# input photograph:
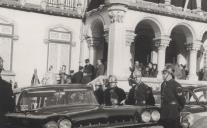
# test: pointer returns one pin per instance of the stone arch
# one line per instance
(187, 29)
(202, 54)
(146, 30)
(202, 33)
(98, 47)
(97, 28)
(155, 24)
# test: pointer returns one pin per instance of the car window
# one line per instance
(201, 95)
(32, 100)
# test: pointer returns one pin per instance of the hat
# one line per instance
(169, 69)
(112, 79)
(86, 60)
(80, 67)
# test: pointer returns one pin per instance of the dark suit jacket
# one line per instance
(77, 77)
(7, 103)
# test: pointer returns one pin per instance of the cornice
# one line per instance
(160, 9)
(28, 7)
(164, 10)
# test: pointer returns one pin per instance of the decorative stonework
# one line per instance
(93, 42)
(130, 35)
(193, 46)
(116, 13)
(162, 42)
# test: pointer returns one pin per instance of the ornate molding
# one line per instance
(93, 42)
(130, 35)
(116, 13)
(194, 46)
(162, 42)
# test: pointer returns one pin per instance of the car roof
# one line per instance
(192, 88)
(72, 86)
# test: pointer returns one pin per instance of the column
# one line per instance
(205, 59)
(82, 41)
(199, 4)
(154, 55)
(116, 40)
(129, 51)
(92, 44)
(161, 43)
(193, 49)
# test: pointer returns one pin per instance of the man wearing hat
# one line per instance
(6, 98)
(172, 99)
(88, 72)
(140, 93)
(113, 95)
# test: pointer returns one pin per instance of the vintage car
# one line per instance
(194, 114)
(75, 106)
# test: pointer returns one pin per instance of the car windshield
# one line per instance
(35, 99)
(200, 94)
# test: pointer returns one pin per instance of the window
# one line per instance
(59, 49)
(6, 45)
(53, 3)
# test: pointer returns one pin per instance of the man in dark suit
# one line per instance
(113, 95)
(88, 72)
(78, 76)
(100, 68)
(6, 98)
(140, 93)
(172, 99)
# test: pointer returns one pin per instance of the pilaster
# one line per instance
(117, 39)
(193, 50)
(92, 44)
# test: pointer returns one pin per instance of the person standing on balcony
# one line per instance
(100, 68)
(7, 103)
(88, 72)
(172, 99)
(35, 79)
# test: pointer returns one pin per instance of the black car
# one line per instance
(75, 106)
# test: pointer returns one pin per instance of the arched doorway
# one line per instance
(177, 53)
(100, 44)
(144, 52)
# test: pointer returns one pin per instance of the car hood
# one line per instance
(46, 112)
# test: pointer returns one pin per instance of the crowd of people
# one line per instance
(172, 97)
(84, 75)
(150, 70)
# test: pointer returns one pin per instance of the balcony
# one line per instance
(158, 8)
(68, 8)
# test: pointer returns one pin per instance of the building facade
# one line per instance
(37, 34)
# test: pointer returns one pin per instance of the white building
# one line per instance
(61, 32)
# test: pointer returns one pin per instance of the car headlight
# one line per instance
(51, 124)
(65, 124)
(146, 116)
(155, 115)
